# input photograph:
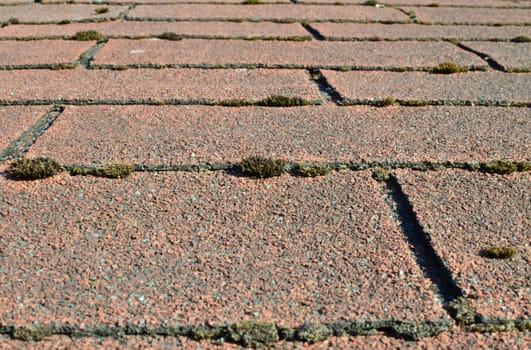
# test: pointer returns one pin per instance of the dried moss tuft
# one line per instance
(13, 20)
(170, 36)
(201, 332)
(81, 170)
(260, 167)
(313, 332)
(312, 170)
(462, 311)
(255, 334)
(283, 101)
(88, 35)
(448, 68)
(32, 333)
(523, 166)
(521, 39)
(113, 171)
(101, 10)
(499, 166)
(380, 174)
(33, 169)
(499, 252)
(388, 101)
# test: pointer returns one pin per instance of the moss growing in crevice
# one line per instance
(170, 36)
(81, 170)
(260, 167)
(13, 20)
(250, 2)
(313, 333)
(498, 252)
(462, 311)
(521, 39)
(388, 101)
(32, 333)
(88, 35)
(255, 334)
(201, 332)
(101, 10)
(33, 169)
(312, 170)
(499, 166)
(448, 68)
(113, 171)
(283, 101)
(370, 3)
(380, 174)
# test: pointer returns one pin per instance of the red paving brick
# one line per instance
(153, 85)
(282, 53)
(37, 13)
(138, 29)
(172, 135)
(510, 55)
(471, 3)
(473, 86)
(15, 120)
(267, 12)
(474, 212)
(471, 15)
(350, 31)
(193, 247)
(42, 52)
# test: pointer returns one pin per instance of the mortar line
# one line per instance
(28, 137)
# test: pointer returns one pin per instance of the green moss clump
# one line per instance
(370, 3)
(462, 311)
(499, 166)
(13, 20)
(200, 332)
(448, 68)
(313, 332)
(388, 101)
(64, 21)
(523, 166)
(283, 101)
(101, 10)
(170, 36)
(499, 252)
(255, 334)
(113, 171)
(81, 170)
(33, 169)
(32, 333)
(380, 174)
(312, 170)
(88, 35)
(251, 2)
(521, 39)
(261, 167)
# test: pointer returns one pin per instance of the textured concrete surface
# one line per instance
(495, 213)
(154, 135)
(476, 87)
(416, 174)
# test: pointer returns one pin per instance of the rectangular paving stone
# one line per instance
(267, 12)
(154, 85)
(42, 52)
(15, 120)
(374, 31)
(170, 135)
(476, 211)
(135, 29)
(477, 87)
(189, 248)
(468, 3)
(512, 56)
(217, 53)
(37, 13)
(471, 15)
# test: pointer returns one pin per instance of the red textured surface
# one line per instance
(19, 53)
(37, 13)
(472, 86)
(15, 120)
(132, 28)
(267, 12)
(509, 55)
(189, 247)
(156, 135)
(271, 53)
(415, 31)
(155, 84)
(471, 15)
(474, 212)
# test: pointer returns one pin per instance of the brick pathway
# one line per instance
(399, 215)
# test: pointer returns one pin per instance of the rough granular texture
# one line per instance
(20, 53)
(193, 247)
(169, 135)
(509, 55)
(37, 13)
(15, 120)
(471, 15)
(476, 211)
